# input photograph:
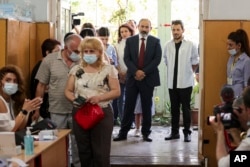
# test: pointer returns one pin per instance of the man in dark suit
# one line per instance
(142, 55)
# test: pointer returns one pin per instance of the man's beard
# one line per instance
(143, 34)
(177, 37)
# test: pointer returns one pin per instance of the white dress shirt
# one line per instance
(188, 56)
(140, 41)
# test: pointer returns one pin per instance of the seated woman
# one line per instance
(14, 108)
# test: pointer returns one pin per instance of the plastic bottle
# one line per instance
(28, 143)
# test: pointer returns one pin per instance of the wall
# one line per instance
(226, 9)
(47, 11)
(164, 34)
(13, 33)
(38, 8)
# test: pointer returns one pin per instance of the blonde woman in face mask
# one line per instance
(98, 83)
(14, 108)
(238, 66)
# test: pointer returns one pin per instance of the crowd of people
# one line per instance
(120, 78)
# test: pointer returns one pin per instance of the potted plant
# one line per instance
(195, 100)
(166, 116)
(162, 118)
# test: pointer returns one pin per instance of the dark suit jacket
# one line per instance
(152, 59)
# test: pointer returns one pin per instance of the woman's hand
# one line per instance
(94, 99)
(31, 105)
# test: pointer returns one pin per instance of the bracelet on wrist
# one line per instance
(24, 112)
(243, 135)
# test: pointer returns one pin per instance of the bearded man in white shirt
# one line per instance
(182, 59)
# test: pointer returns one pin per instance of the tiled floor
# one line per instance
(135, 152)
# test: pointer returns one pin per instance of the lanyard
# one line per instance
(233, 66)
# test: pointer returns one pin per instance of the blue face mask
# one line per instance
(74, 57)
(10, 88)
(232, 52)
(90, 58)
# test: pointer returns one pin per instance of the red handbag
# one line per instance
(89, 115)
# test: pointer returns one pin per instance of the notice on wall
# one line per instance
(228, 10)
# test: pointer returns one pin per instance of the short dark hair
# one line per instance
(103, 31)
(88, 25)
(227, 93)
(48, 45)
(87, 32)
(66, 35)
(176, 22)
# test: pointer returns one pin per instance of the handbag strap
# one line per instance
(78, 75)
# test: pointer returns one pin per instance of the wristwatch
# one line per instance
(24, 112)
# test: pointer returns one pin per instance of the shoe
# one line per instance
(147, 139)
(187, 137)
(137, 133)
(120, 138)
(132, 126)
(173, 136)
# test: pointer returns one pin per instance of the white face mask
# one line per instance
(90, 58)
(232, 52)
(10, 88)
(74, 57)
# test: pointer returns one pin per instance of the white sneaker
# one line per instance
(137, 133)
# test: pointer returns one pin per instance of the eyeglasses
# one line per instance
(89, 51)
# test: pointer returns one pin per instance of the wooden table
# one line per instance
(49, 153)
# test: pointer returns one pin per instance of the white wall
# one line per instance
(226, 9)
(40, 8)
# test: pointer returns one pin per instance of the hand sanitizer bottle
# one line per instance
(28, 143)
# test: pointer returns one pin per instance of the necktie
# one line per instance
(141, 54)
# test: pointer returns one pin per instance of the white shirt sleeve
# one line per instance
(224, 161)
(195, 56)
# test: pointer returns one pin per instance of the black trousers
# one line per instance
(180, 98)
(146, 94)
(94, 145)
